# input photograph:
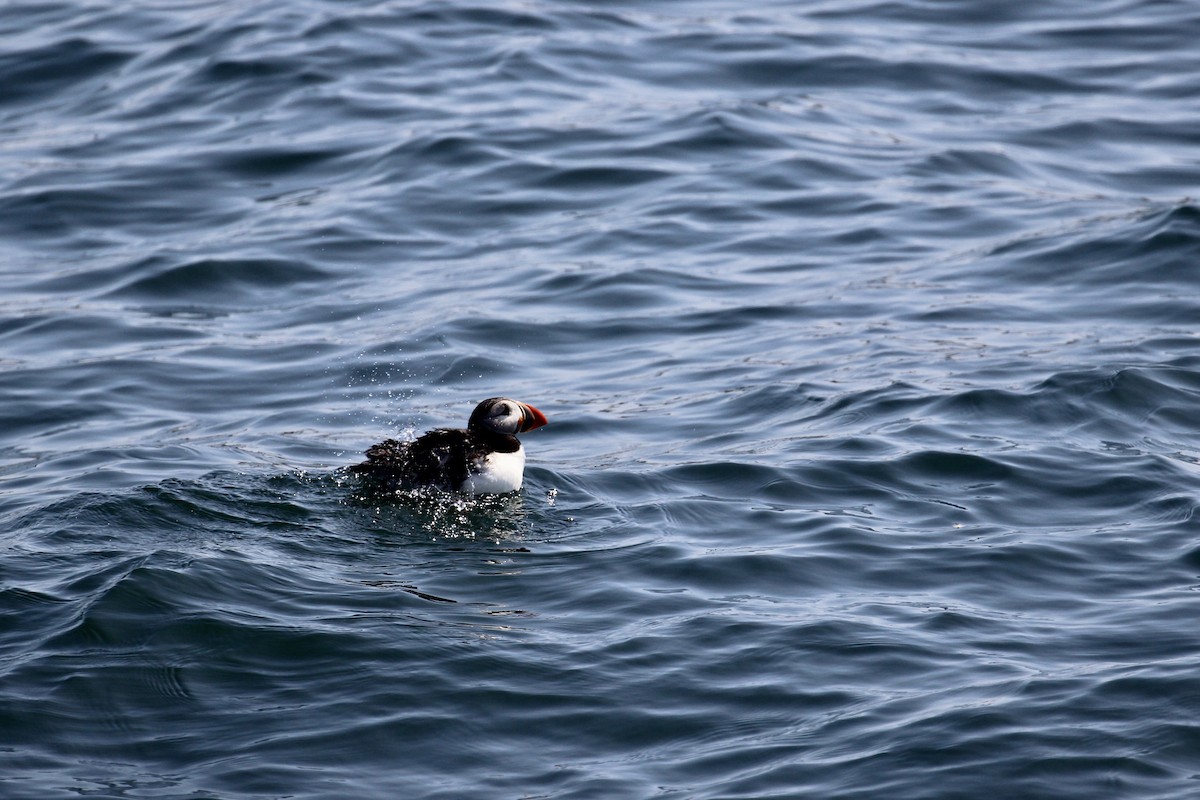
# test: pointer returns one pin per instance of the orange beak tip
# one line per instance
(533, 418)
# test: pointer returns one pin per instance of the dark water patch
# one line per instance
(750, 128)
(213, 280)
(1131, 396)
(594, 293)
(782, 61)
(1135, 34)
(1152, 248)
(74, 215)
(55, 69)
(469, 20)
(597, 178)
(243, 85)
(435, 153)
(974, 163)
(85, 334)
(1102, 136)
(270, 162)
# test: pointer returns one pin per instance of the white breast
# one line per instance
(499, 473)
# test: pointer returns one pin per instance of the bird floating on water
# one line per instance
(484, 458)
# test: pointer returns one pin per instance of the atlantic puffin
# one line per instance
(484, 458)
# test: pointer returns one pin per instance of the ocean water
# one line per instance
(868, 334)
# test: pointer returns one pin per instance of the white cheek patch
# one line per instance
(507, 423)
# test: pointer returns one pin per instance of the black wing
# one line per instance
(439, 458)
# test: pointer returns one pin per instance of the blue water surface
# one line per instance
(867, 331)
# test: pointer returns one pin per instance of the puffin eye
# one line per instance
(503, 409)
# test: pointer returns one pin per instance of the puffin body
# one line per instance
(484, 458)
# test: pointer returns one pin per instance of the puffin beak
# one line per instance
(532, 418)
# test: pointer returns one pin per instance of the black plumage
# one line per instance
(449, 458)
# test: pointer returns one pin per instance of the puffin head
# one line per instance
(504, 416)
